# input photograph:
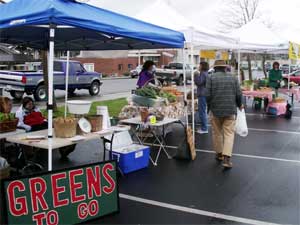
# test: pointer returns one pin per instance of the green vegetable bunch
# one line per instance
(148, 92)
(154, 93)
(7, 117)
(171, 98)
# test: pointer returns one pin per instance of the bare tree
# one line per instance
(236, 14)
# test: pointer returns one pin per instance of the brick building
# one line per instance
(119, 63)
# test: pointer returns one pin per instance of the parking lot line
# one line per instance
(253, 156)
(261, 115)
(275, 131)
(195, 211)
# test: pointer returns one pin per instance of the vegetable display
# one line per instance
(155, 93)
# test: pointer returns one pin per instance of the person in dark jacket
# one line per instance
(200, 81)
(224, 96)
(275, 77)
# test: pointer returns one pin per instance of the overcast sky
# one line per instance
(282, 13)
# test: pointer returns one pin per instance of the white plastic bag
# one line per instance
(241, 127)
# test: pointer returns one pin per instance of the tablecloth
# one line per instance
(259, 94)
(281, 107)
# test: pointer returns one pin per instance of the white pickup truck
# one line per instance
(173, 72)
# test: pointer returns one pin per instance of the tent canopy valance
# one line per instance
(79, 27)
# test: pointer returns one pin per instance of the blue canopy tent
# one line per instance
(69, 25)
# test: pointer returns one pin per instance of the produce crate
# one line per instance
(8, 126)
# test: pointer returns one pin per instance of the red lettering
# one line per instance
(52, 218)
(37, 195)
(17, 206)
(38, 218)
(112, 185)
(82, 211)
(74, 186)
(93, 182)
(93, 208)
(56, 190)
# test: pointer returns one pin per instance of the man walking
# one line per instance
(223, 97)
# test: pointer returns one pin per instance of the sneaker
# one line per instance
(200, 131)
(227, 164)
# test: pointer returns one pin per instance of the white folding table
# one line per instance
(140, 127)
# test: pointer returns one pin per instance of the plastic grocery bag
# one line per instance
(241, 127)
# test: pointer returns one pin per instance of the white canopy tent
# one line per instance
(197, 37)
(256, 36)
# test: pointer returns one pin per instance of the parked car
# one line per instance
(173, 72)
(294, 77)
(135, 73)
(31, 82)
(285, 68)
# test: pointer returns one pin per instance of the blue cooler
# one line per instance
(132, 158)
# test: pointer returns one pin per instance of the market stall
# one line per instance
(197, 38)
(268, 42)
(69, 25)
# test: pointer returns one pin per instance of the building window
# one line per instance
(120, 67)
(89, 67)
(130, 66)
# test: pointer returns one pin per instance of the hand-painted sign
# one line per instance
(70, 196)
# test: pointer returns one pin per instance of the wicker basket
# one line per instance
(96, 122)
(4, 173)
(8, 126)
(144, 114)
(65, 128)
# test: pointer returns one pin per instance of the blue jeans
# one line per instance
(202, 112)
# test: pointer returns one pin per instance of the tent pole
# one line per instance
(50, 95)
(139, 57)
(67, 81)
(193, 92)
(184, 80)
(239, 64)
(290, 62)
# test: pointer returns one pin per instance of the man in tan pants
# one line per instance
(224, 96)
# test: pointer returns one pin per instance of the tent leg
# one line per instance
(50, 95)
(184, 80)
(139, 57)
(290, 62)
(67, 81)
(193, 92)
(239, 64)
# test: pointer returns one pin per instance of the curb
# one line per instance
(117, 78)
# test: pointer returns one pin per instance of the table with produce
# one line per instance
(158, 102)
